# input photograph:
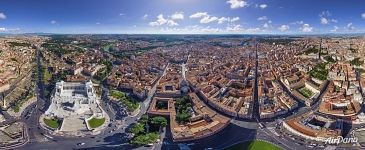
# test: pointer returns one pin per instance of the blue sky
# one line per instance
(183, 16)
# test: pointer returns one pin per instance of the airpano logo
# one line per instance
(340, 139)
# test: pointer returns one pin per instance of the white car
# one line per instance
(80, 144)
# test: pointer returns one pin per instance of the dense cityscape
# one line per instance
(182, 75)
(181, 91)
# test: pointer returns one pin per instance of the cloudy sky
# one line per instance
(183, 16)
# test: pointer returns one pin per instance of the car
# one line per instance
(80, 144)
(165, 142)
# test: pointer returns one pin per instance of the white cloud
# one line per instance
(266, 25)
(335, 28)
(53, 22)
(262, 18)
(325, 18)
(363, 15)
(253, 30)
(222, 20)
(234, 28)
(210, 30)
(225, 19)
(2, 29)
(263, 6)
(163, 21)
(208, 19)
(199, 15)
(97, 23)
(155, 23)
(200, 29)
(2, 16)
(283, 28)
(235, 19)
(178, 16)
(121, 14)
(306, 28)
(350, 26)
(172, 23)
(191, 29)
(297, 22)
(145, 16)
(197, 29)
(237, 3)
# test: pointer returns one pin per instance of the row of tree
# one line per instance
(143, 130)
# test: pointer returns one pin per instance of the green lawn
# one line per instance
(254, 145)
(47, 76)
(108, 47)
(306, 92)
(127, 101)
(319, 71)
(95, 122)
(52, 123)
(117, 94)
(311, 50)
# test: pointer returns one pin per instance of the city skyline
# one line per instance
(183, 17)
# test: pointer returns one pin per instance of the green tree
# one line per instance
(357, 62)
(145, 139)
(144, 119)
(159, 121)
(161, 105)
(137, 128)
(182, 105)
(182, 117)
(13, 59)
